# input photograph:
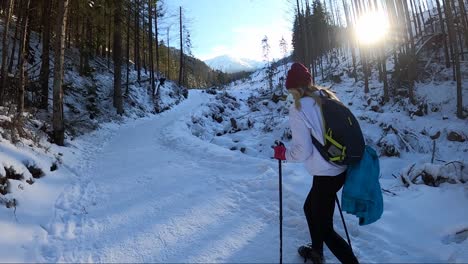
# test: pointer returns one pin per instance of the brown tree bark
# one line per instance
(456, 57)
(156, 35)
(442, 28)
(117, 55)
(45, 65)
(23, 55)
(150, 46)
(350, 39)
(181, 64)
(137, 40)
(168, 55)
(15, 38)
(128, 49)
(459, 31)
(57, 115)
(411, 55)
(5, 49)
(464, 17)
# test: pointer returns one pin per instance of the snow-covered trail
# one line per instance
(149, 191)
(154, 193)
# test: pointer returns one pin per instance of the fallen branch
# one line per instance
(462, 231)
(398, 133)
(389, 192)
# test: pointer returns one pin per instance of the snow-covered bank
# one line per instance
(34, 174)
(27, 155)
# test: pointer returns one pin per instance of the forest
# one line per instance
(420, 33)
(117, 35)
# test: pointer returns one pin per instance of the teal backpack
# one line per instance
(362, 195)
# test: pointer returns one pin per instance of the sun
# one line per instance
(372, 28)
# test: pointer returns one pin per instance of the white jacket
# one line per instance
(304, 122)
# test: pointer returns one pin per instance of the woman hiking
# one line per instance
(305, 118)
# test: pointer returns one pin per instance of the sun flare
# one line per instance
(372, 28)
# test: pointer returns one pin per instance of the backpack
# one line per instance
(343, 139)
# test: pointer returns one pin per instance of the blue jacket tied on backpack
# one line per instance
(362, 195)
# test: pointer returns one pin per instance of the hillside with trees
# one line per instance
(422, 35)
(43, 41)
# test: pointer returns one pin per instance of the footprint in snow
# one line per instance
(457, 237)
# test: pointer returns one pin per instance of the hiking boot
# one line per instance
(307, 252)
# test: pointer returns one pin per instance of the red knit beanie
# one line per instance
(298, 76)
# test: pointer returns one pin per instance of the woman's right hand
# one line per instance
(280, 152)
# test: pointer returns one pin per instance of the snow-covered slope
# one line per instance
(230, 64)
(420, 147)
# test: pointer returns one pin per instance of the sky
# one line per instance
(234, 27)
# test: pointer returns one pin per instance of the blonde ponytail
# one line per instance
(309, 91)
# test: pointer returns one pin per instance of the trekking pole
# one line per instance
(344, 223)
(280, 186)
(281, 210)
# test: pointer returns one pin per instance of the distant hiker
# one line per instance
(162, 80)
(305, 118)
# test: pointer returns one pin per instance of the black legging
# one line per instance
(319, 208)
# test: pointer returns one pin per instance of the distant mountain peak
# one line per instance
(231, 64)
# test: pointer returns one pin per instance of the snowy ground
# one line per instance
(196, 183)
(150, 191)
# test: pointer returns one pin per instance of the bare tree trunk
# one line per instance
(421, 14)
(464, 20)
(45, 66)
(109, 36)
(117, 55)
(15, 38)
(82, 45)
(57, 116)
(145, 48)
(23, 58)
(411, 56)
(350, 39)
(5, 42)
(460, 32)
(431, 19)
(128, 49)
(156, 37)
(456, 58)
(442, 28)
(168, 56)
(150, 44)
(181, 66)
(417, 22)
(137, 40)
